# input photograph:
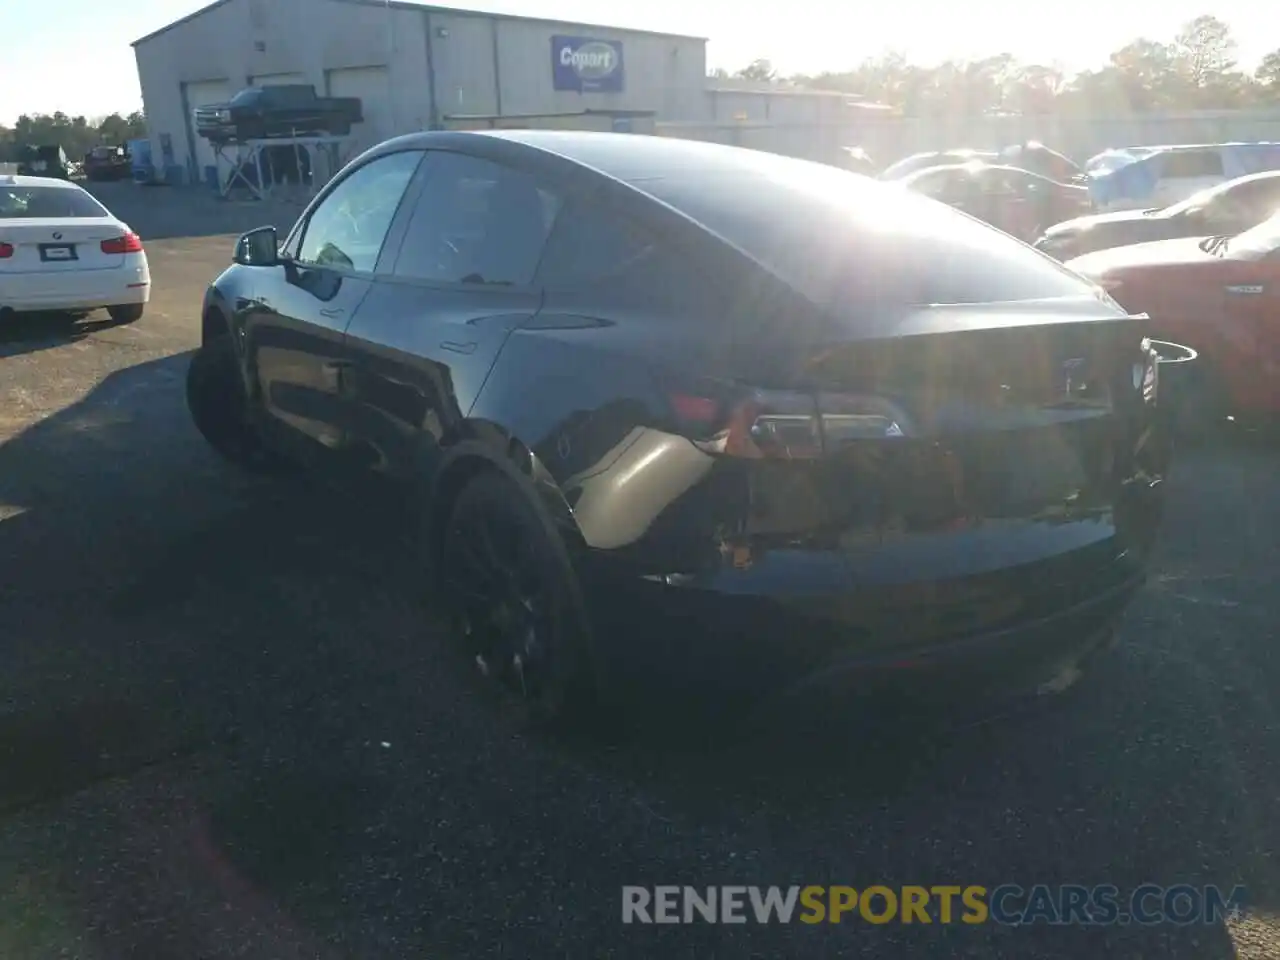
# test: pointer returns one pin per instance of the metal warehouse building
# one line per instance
(413, 65)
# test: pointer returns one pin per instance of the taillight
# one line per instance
(6, 251)
(785, 425)
(129, 243)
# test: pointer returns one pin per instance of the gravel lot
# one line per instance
(227, 728)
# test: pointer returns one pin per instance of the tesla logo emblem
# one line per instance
(57, 236)
(1070, 370)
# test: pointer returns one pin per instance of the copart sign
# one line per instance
(586, 65)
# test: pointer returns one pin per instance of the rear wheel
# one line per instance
(218, 405)
(126, 313)
(513, 598)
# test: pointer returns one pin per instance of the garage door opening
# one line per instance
(370, 85)
(201, 93)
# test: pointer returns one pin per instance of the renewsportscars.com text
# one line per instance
(1009, 904)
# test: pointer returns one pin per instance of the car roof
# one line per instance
(15, 180)
(1250, 177)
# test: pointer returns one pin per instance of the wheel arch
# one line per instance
(481, 446)
(214, 322)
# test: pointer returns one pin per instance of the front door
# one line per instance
(425, 338)
(296, 329)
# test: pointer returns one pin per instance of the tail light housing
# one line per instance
(6, 250)
(785, 425)
(129, 243)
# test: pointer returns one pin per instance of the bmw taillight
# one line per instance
(785, 425)
(129, 243)
(6, 251)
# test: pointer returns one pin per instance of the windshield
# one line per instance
(1258, 242)
(246, 96)
(17, 203)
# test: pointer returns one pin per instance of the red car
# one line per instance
(1019, 202)
(1219, 295)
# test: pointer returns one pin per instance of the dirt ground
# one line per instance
(228, 727)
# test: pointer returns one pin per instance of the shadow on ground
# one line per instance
(33, 332)
(310, 775)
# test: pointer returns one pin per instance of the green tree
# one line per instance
(1267, 76)
(113, 129)
(759, 70)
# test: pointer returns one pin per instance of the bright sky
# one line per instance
(79, 60)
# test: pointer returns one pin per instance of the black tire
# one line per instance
(524, 629)
(218, 406)
(126, 313)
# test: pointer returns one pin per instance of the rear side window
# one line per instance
(594, 248)
(1192, 163)
(590, 246)
(476, 222)
(55, 202)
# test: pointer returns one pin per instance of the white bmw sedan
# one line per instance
(61, 250)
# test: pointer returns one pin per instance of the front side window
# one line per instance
(476, 222)
(347, 230)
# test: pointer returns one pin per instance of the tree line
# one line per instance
(76, 135)
(1196, 70)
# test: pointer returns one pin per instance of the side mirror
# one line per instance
(258, 248)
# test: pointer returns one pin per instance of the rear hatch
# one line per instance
(1019, 417)
(981, 466)
(55, 246)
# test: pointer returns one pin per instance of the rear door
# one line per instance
(425, 338)
(294, 331)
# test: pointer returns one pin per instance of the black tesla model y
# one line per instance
(736, 418)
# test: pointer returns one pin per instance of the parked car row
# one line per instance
(732, 418)
(1017, 201)
(1208, 273)
(1201, 266)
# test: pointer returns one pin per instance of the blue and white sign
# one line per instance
(585, 65)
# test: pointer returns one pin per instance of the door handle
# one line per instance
(339, 364)
(332, 312)
(1246, 289)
